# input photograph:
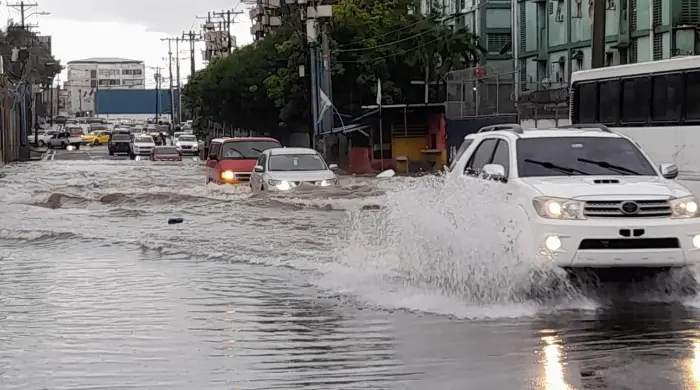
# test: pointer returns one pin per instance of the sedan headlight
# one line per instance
(330, 182)
(281, 185)
(558, 208)
(686, 207)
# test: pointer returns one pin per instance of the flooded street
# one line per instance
(304, 291)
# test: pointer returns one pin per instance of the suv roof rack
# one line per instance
(583, 126)
(514, 127)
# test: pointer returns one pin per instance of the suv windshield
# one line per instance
(187, 138)
(245, 150)
(121, 137)
(567, 156)
(144, 139)
(296, 162)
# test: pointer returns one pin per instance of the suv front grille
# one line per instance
(612, 209)
(242, 176)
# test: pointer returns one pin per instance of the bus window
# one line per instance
(585, 100)
(667, 97)
(609, 101)
(692, 96)
(635, 100)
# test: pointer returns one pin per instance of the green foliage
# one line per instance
(259, 85)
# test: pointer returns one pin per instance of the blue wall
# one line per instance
(133, 101)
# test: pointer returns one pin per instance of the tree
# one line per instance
(259, 87)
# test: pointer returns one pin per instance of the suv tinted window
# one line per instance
(462, 148)
(567, 156)
(482, 156)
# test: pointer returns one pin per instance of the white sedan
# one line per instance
(283, 169)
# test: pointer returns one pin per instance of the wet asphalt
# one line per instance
(98, 292)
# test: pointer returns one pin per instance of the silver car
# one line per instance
(283, 169)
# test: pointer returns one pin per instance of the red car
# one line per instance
(231, 160)
(165, 153)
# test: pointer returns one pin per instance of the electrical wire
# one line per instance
(396, 41)
(388, 33)
(400, 53)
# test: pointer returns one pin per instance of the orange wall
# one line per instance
(409, 147)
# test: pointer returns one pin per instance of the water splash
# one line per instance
(459, 239)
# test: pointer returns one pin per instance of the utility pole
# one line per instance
(191, 37)
(229, 17)
(22, 7)
(311, 17)
(326, 84)
(598, 41)
(157, 78)
(177, 76)
(170, 75)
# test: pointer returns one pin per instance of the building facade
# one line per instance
(216, 42)
(555, 36)
(265, 15)
(85, 77)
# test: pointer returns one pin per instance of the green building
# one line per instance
(555, 35)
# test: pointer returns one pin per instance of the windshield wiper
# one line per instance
(559, 168)
(256, 150)
(607, 165)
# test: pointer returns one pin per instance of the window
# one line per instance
(457, 155)
(635, 100)
(214, 149)
(133, 72)
(570, 156)
(261, 161)
(586, 102)
(609, 101)
(93, 74)
(482, 156)
(246, 150)
(502, 155)
(296, 162)
(692, 95)
(667, 100)
(93, 83)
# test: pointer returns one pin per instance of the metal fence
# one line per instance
(481, 91)
(543, 100)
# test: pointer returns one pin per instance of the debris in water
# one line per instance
(386, 174)
(174, 220)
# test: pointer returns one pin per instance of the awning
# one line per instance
(349, 129)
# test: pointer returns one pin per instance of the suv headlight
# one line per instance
(558, 208)
(329, 182)
(281, 185)
(686, 207)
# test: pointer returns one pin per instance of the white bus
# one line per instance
(655, 103)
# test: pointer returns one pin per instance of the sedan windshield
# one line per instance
(245, 150)
(569, 156)
(296, 162)
(144, 139)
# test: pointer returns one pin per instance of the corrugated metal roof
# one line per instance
(105, 60)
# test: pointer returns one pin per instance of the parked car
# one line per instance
(63, 139)
(187, 144)
(283, 169)
(231, 160)
(165, 153)
(141, 145)
(119, 144)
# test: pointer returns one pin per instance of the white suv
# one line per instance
(592, 197)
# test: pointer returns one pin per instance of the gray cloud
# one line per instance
(168, 16)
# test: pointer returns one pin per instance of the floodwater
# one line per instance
(302, 291)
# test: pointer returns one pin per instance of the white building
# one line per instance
(89, 75)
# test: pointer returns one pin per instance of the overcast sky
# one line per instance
(126, 28)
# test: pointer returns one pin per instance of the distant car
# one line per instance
(60, 119)
(119, 144)
(165, 153)
(283, 169)
(142, 145)
(96, 138)
(63, 140)
(187, 144)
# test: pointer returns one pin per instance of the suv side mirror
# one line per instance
(494, 171)
(668, 171)
(333, 167)
(258, 169)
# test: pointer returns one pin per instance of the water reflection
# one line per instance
(553, 366)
